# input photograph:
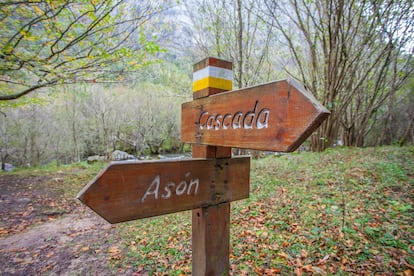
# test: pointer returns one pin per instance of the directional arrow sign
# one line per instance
(131, 190)
(277, 116)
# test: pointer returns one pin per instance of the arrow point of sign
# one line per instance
(317, 114)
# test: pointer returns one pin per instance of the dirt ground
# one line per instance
(44, 232)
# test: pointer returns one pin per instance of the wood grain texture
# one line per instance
(211, 227)
(207, 92)
(276, 116)
(211, 240)
(131, 190)
(212, 61)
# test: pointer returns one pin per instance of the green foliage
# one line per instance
(46, 43)
(76, 121)
(150, 248)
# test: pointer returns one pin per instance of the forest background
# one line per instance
(85, 77)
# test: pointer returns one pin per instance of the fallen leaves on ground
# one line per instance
(341, 212)
(346, 211)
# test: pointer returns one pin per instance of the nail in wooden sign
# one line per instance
(276, 116)
(126, 191)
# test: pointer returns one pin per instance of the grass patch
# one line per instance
(160, 245)
(343, 211)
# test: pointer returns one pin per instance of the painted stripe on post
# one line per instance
(212, 76)
(211, 82)
(213, 71)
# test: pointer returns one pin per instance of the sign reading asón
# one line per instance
(131, 190)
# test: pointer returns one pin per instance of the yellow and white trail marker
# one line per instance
(212, 76)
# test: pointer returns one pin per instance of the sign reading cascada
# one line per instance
(276, 116)
(255, 118)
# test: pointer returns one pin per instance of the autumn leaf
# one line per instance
(408, 272)
(283, 255)
(272, 271)
(114, 252)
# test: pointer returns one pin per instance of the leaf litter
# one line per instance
(344, 211)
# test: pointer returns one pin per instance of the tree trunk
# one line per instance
(407, 132)
(239, 45)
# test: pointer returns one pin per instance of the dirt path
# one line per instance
(71, 245)
(35, 238)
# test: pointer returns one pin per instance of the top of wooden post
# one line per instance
(211, 76)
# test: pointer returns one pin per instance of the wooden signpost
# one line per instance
(277, 116)
(211, 225)
(126, 191)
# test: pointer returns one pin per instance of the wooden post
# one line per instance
(211, 225)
